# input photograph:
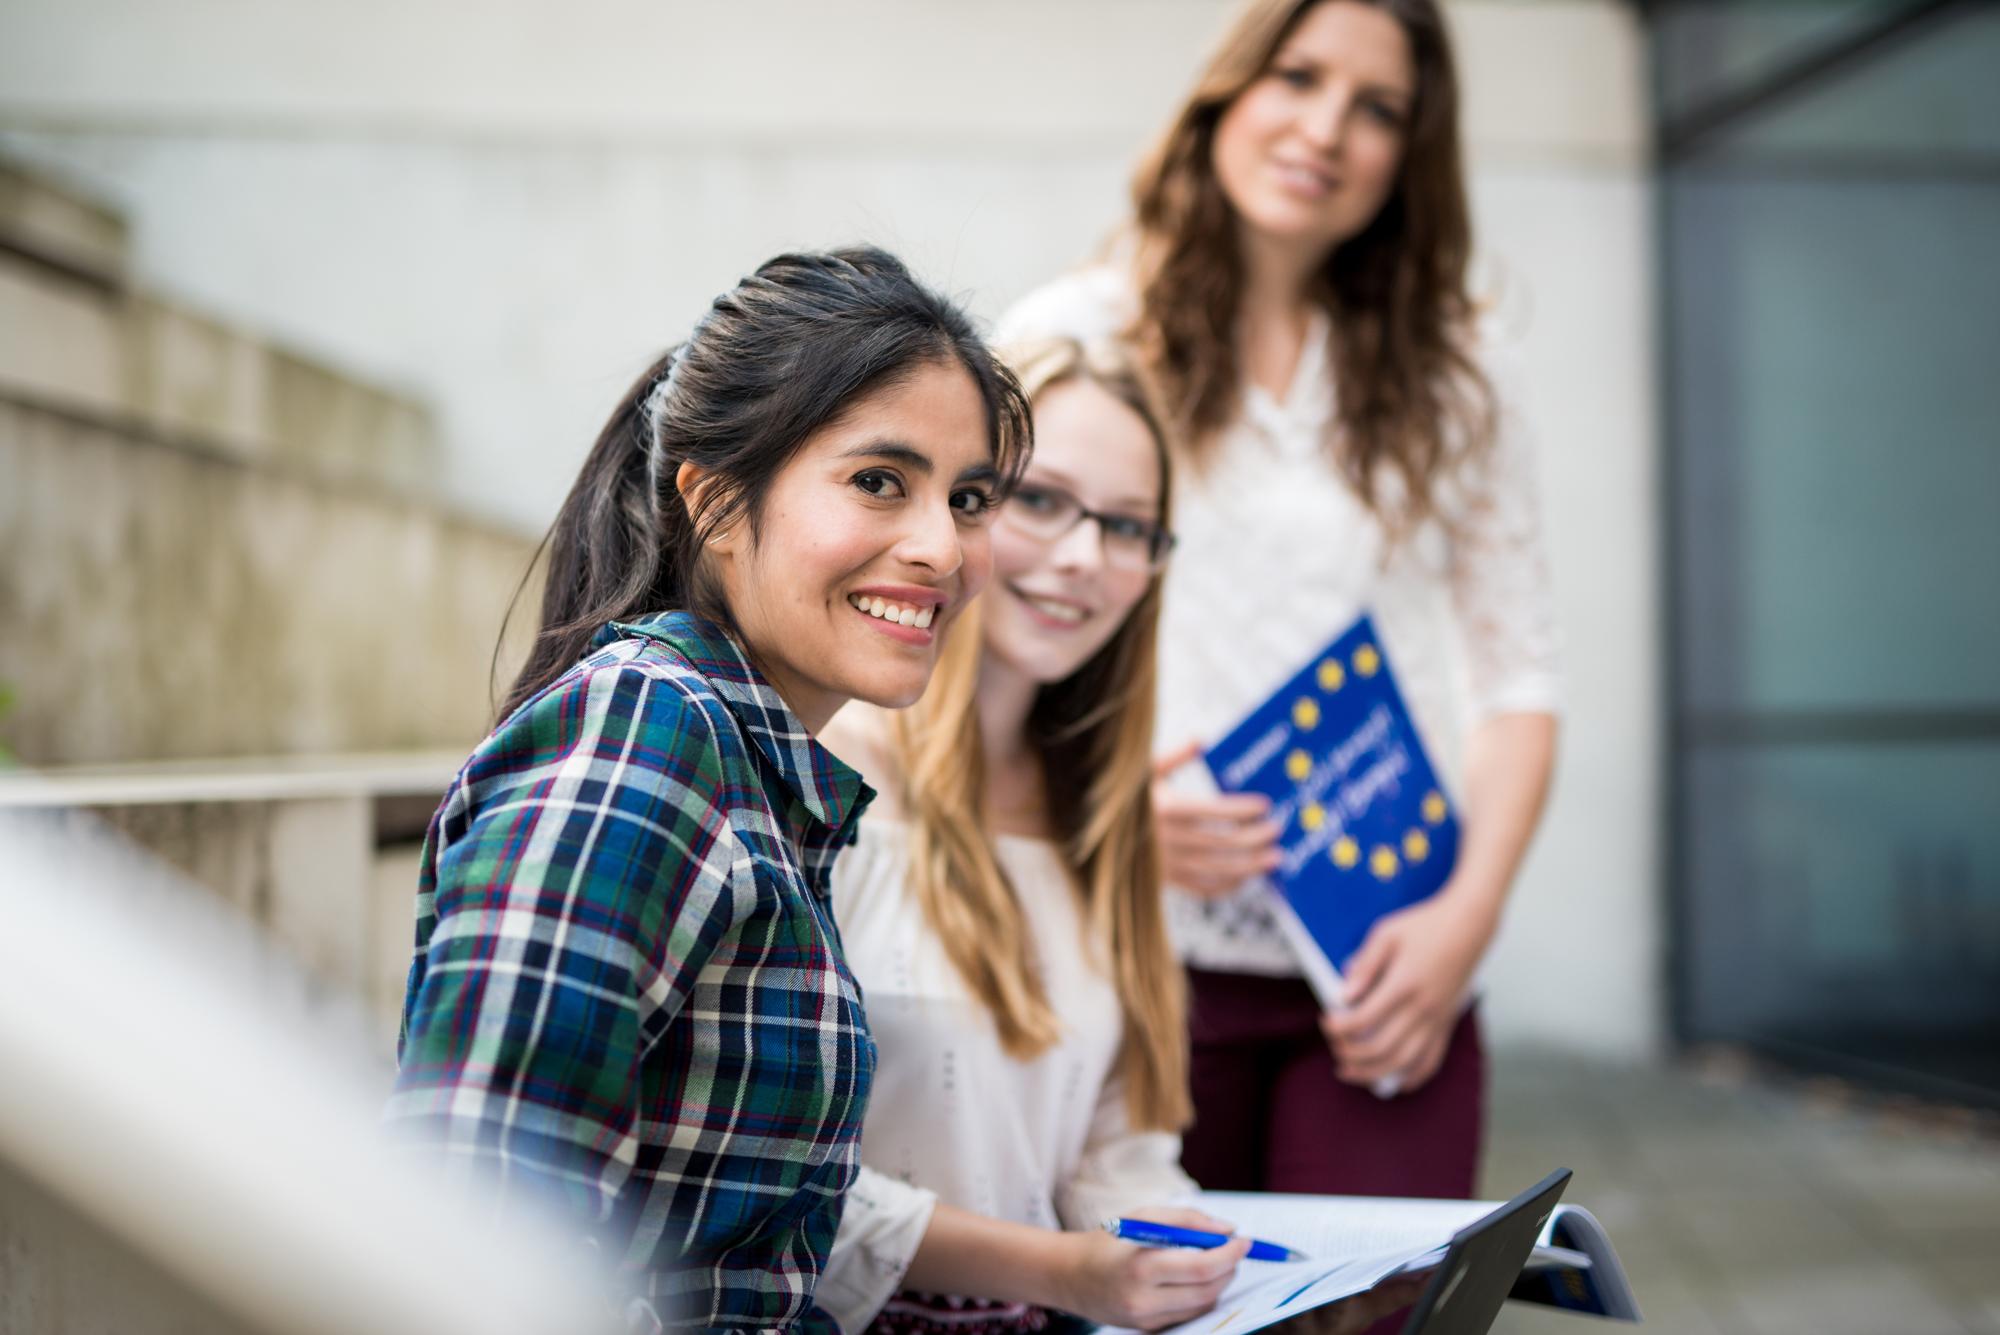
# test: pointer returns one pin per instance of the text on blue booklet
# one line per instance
(1367, 828)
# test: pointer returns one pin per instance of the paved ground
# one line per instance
(1745, 1203)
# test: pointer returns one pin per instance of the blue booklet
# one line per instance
(1367, 827)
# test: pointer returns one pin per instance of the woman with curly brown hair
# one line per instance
(1294, 275)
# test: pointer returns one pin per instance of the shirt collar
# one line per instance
(829, 789)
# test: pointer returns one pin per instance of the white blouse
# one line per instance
(1278, 554)
(952, 1116)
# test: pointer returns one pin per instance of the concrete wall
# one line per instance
(212, 546)
(163, 604)
(508, 208)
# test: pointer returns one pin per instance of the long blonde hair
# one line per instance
(1093, 732)
(1410, 400)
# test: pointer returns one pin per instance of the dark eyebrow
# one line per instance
(1301, 59)
(1059, 481)
(908, 455)
(915, 459)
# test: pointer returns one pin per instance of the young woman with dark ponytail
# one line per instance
(628, 998)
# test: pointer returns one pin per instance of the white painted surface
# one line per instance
(1540, 73)
(1580, 956)
(507, 209)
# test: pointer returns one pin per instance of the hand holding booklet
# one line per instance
(1357, 1242)
(1367, 827)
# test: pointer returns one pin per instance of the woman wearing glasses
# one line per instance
(1002, 912)
(1294, 274)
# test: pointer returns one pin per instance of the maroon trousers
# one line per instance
(1271, 1115)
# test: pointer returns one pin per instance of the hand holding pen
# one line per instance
(1151, 1233)
(1115, 1283)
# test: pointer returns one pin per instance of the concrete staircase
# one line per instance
(238, 633)
(210, 546)
(234, 623)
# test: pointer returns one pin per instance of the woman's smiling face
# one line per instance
(1309, 153)
(870, 542)
(1056, 602)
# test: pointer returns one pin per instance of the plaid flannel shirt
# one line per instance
(628, 996)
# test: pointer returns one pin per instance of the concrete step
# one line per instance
(75, 338)
(61, 228)
(158, 605)
(210, 545)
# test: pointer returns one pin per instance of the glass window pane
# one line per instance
(1932, 97)
(1847, 898)
(1839, 430)
(1707, 49)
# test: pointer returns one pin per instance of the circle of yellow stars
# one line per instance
(1331, 677)
(1384, 860)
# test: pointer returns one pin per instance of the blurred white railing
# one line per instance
(189, 1131)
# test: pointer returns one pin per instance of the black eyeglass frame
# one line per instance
(1161, 544)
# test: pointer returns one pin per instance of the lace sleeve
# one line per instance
(1499, 570)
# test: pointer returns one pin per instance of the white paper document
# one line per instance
(1353, 1243)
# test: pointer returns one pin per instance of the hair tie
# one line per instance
(654, 408)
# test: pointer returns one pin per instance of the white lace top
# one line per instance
(952, 1116)
(1278, 554)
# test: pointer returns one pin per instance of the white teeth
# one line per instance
(1064, 612)
(919, 617)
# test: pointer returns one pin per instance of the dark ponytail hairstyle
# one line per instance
(778, 357)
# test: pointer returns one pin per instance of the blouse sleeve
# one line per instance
(1121, 1168)
(881, 1226)
(883, 1219)
(1499, 570)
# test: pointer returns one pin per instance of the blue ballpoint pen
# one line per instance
(1149, 1234)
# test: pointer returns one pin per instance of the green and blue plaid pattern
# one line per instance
(628, 997)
